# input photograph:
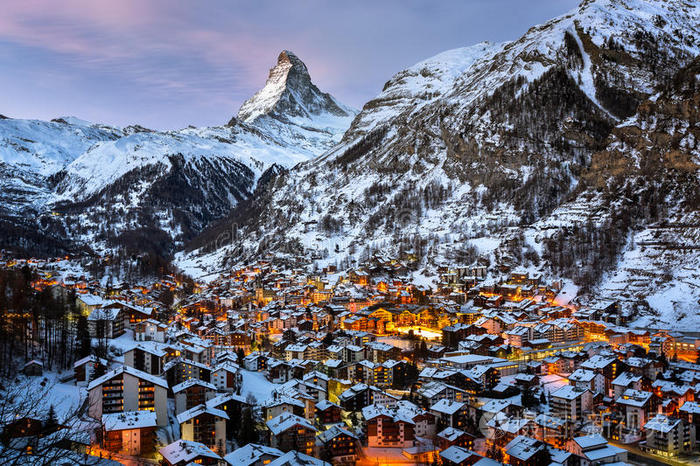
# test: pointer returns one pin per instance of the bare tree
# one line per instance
(32, 433)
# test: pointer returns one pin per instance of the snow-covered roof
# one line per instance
(626, 379)
(333, 432)
(129, 420)
(457, 454)
(451, 434)
(199, 410)
(601, 453)
(131, 371)
(294, 458)
(661, 423)
(634, 398)
(588, 441)
(91, 299)
(186, 451)
(445, 406)
(569, 392)
(523, 448)
(251, 454)
(286, 421)
(190, 383)
(597, 362)
(104, 313)
(690, 407)
(582, 375)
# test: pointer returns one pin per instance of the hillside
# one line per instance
(461, 153)
(69, 184)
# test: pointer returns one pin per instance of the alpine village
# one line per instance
(496, 261)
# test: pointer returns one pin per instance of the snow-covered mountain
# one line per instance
(97, 185)
(469, 153)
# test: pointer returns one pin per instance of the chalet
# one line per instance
(232, 405)
(503, 428)
(128, 389)
(609, 367)
(553, 430)
(690, 410)
(380, 352)
(328, 413)
(145, 358)
(106, 322)
(459, 456)
(571, 403)
(280, 404)
(451, 436)
(132, 314)
(431, 393)
(191, 393)
(33, 368)
(178, 370)
(85, 367)
(678, 392)
(226, 376)
(587, 379)
(339, 444)
(450, 413)
(526, 451)
(669, 437)
(206, 425)
(129, 432)
(624, 381)
(291, 432)
(594, 449)
(255, 361)
(87, 303)
(397, 426)
(150, 330)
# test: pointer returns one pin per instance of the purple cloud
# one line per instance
(168, 64)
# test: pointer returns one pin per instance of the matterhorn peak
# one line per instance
(289, 95)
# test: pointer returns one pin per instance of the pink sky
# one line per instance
(167, 64)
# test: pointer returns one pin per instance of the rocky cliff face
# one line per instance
(289, 94)
(647, 181)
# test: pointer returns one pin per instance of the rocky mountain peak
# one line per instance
(289, 94)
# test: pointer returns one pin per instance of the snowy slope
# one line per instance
(471, 145)
(89, 183)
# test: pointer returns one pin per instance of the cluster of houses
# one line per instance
(340, 367)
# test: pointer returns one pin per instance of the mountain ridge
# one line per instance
(88, 184)
(437, 172)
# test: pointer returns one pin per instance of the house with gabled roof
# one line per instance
(204, 424)
(339, 444)
(452, 436)
(291, 432)
(128, 389)
(190, 393)
(130, 432)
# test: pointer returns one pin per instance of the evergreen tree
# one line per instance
(528, 398)
(247, 433)
(83, 336)
(51, 419)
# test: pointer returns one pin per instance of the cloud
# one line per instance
(191, 56)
